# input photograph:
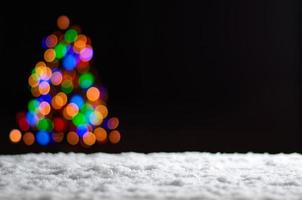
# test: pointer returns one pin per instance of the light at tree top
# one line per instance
(68, 103)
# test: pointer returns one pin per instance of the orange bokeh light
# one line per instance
(63, 22)
(89, 138)
(102, 109)
(28, 138)
(15, 136)
(100, 134)
(114, 137)
(93, 94)
(56, 78)
(70, 110)
(44, 87)
(44, 108)
(51, 41)
(72, 138)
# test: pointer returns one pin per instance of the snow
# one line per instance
(188, 175)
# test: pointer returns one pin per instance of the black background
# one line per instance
(181, 75)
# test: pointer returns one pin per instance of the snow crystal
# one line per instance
(189, 175)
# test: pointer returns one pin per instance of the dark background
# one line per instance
(181, 75)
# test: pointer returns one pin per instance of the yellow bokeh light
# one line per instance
(102, 109)
(114, 137)
(89, 138)
(63, 22)
(40, 64)
(28, 138)
(93, 94)
(100, 134)
(72, 138)
(44, 108)
(49, 55)
(33, 80)
(96, 118)
(15, 136)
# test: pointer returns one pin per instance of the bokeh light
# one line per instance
(70, 35)
(93, 94)
(86, 80)
(100, 134)
(56, 78)
(63, 22)
(57, 137)
(43, 137)
(49, 55)
(44, 87)
(114, 137)
(44, 108)
(59, 100)
(113, 123)
(70, 111)
(60, 50)
(78, 100)
(70, 62)
(72, 138)
(51, 41)
(28, 138)
(15, 136)
(89, 139)
(86, 54)
(67, 86)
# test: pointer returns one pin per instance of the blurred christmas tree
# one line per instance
(68, 104)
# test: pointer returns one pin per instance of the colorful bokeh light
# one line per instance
(68, 103)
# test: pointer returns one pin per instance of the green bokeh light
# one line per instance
(33, 105)
(60, 50)
(67, 86)
(79, 119)
(86, 80)
(44, 124)
(70, 35)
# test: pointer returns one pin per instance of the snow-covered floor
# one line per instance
(189, 175)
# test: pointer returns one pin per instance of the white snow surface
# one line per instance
(188, 175)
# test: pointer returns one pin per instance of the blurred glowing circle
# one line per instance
(63, 22)
(23, 124)
(93, 94)
(44, 108)
(33, 105)
(43, 137)
(100, 134)
(60, 50)
(33, 80)
(114, 137)
(78, 100)
(67, 86)
(113, 123)
(44, 124)
(95, 118)
(82, 129)
(28, 138)
(57, 137)
(32, 118)
(56, 78)
(86, 54)
(59, 100)
(51, 41)
(69, 62)
(15, 136)
(35, 91)
(71, 110)
(40, 64)
(70, 35)
(72, 138)
(86, 80)
(102, 109)
(44, 87)
(46, 98)
(80, 43)
(79, 120)
(83, 66)
(59, 124)
(49, 55)
(89, 138)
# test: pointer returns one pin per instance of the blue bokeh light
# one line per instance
(43, 138)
